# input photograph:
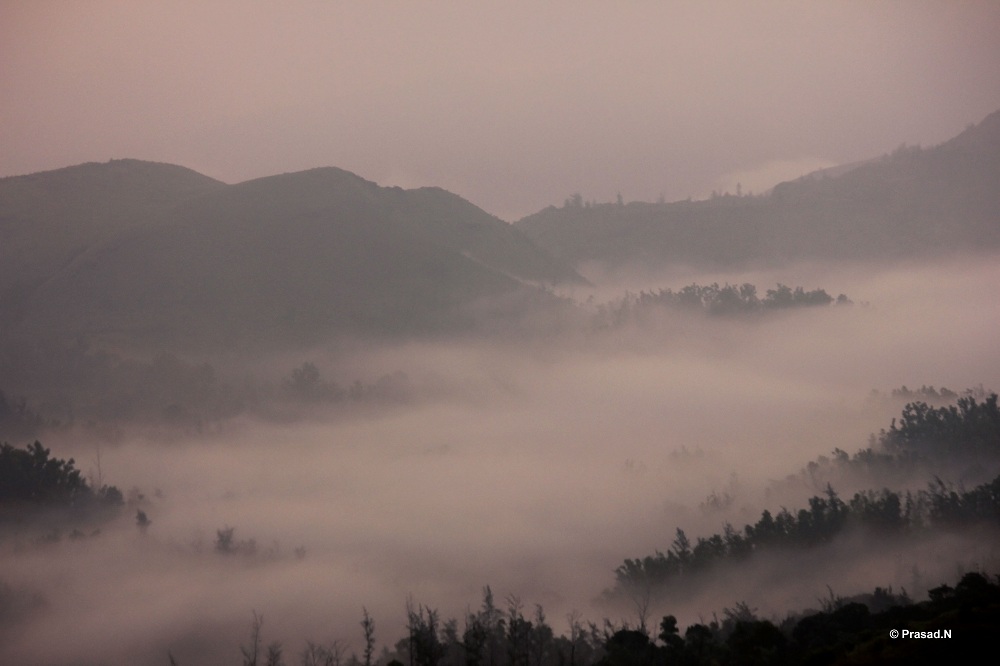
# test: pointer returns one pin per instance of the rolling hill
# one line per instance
(914, 203)
(47, 219)
(135, 253)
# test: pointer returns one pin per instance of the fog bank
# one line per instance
(538, 470)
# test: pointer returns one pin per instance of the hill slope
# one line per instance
(913, 203)
(289, 258)
(47, 219)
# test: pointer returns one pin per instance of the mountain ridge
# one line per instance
(296, 257)
(151, 251)
(912, 203)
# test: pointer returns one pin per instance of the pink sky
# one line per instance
(513, 105)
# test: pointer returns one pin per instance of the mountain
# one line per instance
(47, 219)
(134, 253)
(910, 204)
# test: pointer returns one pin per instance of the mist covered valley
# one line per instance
(605, 433)
(533, 464)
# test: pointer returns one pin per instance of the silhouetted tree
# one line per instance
(368, 627)
(251, 653)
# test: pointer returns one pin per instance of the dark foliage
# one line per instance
(926, 393)
(882, 513)
(967, 428)
(970, 429)
(31, 476)
(727, 300)
(853, 631)
(961, 440)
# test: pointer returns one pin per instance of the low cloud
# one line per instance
(534, 468)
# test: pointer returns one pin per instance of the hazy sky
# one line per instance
(513, 105)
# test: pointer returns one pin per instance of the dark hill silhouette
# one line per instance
(914, 203)
(289, 258)
(47, 219)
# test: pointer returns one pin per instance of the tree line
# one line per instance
(31, 478)
(968, 429)
(713, 299)
(882, 512)
(847, 630)
(961, 439)
(99, 392)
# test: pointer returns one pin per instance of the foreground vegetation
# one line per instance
(31, 478)
(853, 630)
(847, 630)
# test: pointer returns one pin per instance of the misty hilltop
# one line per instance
(133, 251)
(913, 203)
(136, 253)
(47, 219)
